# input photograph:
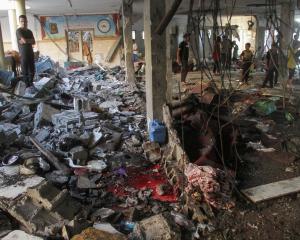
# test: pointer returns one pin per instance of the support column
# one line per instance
(169, 75)
(127, 36)
(20, 8)
(155, 53)
(286, 29)
(2, 59)
(13, 28)
(260, 40)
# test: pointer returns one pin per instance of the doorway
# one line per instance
(80, 44)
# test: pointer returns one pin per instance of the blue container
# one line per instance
(157, 132)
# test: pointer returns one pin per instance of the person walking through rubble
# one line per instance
(272, 66)
(226, 49)
(183, 56)
(292, 61)
(25, 41)
(217, 55)
(246, 57)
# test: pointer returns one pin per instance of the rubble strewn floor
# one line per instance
(265, 150)
(75, 155)
(76, 162)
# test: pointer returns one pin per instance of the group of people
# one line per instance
(224, 52)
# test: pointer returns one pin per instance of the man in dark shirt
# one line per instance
(272, 66)
(25, 41)
(183, 56)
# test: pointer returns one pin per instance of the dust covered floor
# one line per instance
(268, 151)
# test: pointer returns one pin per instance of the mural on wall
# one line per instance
(53, 27)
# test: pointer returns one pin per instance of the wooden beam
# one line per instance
(168, 17)
(113, 49)
(50, 157)
(272, 190)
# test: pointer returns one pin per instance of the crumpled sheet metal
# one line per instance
(214, 184)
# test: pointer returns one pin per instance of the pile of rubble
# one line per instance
(75, 161)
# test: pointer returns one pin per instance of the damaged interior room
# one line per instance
(149, 119)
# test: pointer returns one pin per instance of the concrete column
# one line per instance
(286, 25)
(13, 28)
(260, 40)
(260, 37)
(20, 8)
(127, 36)
(286, 30)
(155, 54)
(2, 59)
(169, 75)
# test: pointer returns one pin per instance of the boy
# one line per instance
(246, 58)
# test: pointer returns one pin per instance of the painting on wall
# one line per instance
(74, 38)
(53, 27)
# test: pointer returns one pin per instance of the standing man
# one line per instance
(226, 49)
(183, 56)
(25, 41)
(272, 66)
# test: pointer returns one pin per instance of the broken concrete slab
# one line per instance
(83, 182)
(51, 158)
(42, 135)
(47, 195)
(44, 83)
(71, 118)
(102, 214)
(158, 227)
(12, 112)
(20, 88)
(34, 217)
(12, 191)
(20, 235)
(57, 177)
(82, 103)
(43, 209)
(44, 114)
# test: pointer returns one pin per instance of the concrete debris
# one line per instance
(20, 235)
(79, 154)
(106, 227)
(75, 155)
(20, 88)
(95, 234)
(158, 227)
(42, 209)
(43, 114)
(13, 191)
(70, 119)
(102, 214)
(6, 225)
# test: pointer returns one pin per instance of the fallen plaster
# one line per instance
(19, 188)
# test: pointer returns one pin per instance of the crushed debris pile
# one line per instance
(213, 183)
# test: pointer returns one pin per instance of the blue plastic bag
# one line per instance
(157, 132)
